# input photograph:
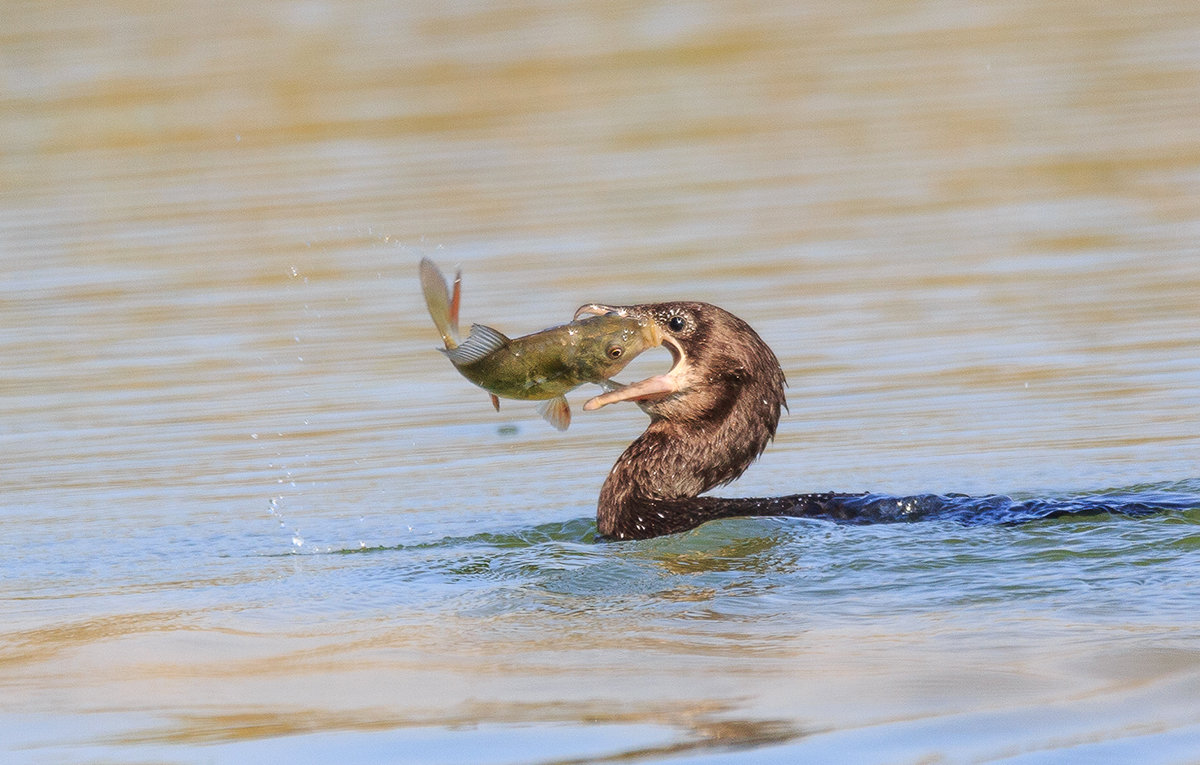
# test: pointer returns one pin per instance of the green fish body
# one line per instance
(542, 366)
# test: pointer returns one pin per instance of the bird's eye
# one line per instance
(616, 352)
(676, 323)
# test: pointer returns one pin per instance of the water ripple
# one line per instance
(1087, 553)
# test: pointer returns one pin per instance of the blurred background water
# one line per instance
(249, 513)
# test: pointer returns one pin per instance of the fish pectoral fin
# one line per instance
(482, 341)
(495, 401)
(557, 412)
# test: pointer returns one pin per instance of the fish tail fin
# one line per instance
(455, 299)
(557, 412)
(443, 309)
(495, 401)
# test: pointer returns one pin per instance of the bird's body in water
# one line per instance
(710, 417)
(542, 366)
(715, 412)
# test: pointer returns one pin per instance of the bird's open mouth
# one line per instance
(652, 388)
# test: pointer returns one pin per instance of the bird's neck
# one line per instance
(653, 487)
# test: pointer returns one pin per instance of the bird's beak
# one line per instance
(597, 309)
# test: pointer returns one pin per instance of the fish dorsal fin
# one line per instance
(557, 412)
(482, 341)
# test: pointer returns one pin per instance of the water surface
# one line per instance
(250, 513)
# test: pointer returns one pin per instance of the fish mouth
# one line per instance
(651, 389)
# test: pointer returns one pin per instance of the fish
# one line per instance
(542, 366)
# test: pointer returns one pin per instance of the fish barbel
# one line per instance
(542, 366)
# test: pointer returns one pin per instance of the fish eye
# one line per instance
(676, 323)
(616, 352)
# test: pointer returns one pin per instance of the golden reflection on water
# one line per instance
(969, 232)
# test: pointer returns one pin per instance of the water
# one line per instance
(249, 513)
